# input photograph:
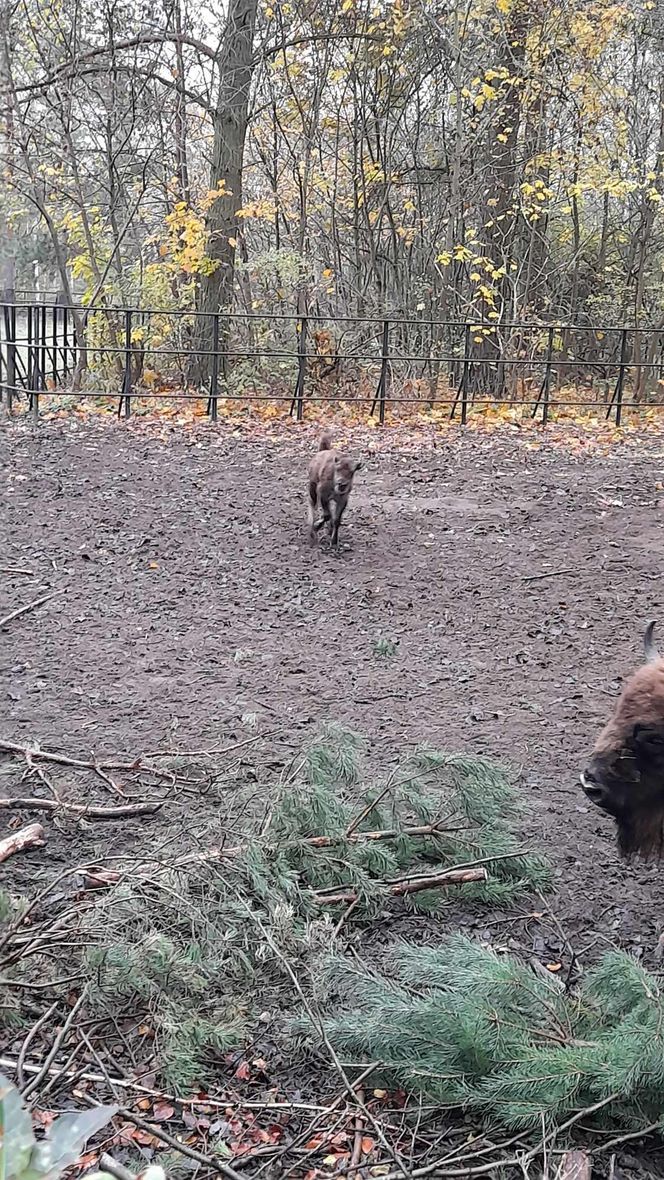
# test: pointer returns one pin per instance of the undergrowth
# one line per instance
(199, 949)
(469, 1028)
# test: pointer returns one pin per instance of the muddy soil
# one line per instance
(515, 579)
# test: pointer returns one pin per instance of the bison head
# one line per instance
(625, 774)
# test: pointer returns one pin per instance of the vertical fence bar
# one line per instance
(462, 390)
(54, 341)
(29, 358)
(10, 333)
(3, 351)
(298, 397)
(43, 357)
(543, 395)
(214, 375)
(621, 377)
(75, 342)
(125, 399)
(617, 398)
(65, 342)
(384, 372)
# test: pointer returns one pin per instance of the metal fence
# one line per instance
(387, 364)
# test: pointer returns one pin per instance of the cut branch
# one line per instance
(23, 610)
(413, 885)
(79, 809)
(30, 837)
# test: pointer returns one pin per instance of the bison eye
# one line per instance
(648, 741)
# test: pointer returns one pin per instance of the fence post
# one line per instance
(384, 379)
(3, 349)
(214, 375)
(125, 399)
(618, 391)
(41, 354)
(65, 341)
(298, 397)
(543, 395)
(29, 356)
(54, 339)
(10, 335)
(462, 391)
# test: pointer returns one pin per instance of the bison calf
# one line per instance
(625, 775)
(330, 482)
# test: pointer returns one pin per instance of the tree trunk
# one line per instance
(230, 129)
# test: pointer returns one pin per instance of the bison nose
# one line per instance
(594, 790)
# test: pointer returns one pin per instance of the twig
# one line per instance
(32, 1033)
(205, 753)
(629, 1135)
(570, 569)
(212, 1162)
(80, 809)
(63, 760)
(23, 610)
(16, 569)
(403, 888)
(355, 823)
(359, 1132)
(128, 1084)
(31, 836)
(43, 1071)
(108, 1164)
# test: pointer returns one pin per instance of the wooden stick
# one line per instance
(23, 610)
(38, 755)
(16, 569)
(104, 877)
(417, 885)
(87, 812)
(30, 837)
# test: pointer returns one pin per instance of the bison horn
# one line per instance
(648, 644)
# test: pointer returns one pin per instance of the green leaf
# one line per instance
(16, 1135)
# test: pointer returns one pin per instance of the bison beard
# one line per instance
(640, 834)
(625, 774)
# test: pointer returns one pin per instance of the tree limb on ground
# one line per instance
(30, 837)
(412, 885)
(82, 810)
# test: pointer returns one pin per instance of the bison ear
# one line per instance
(648, 741)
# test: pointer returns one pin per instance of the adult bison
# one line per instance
(625, 775)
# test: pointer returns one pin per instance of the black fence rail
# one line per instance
(48, 348)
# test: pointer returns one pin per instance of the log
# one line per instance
(30, 837)
(80, 809)
(575, 1165)
(413, 885)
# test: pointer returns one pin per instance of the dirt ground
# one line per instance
(515, 577)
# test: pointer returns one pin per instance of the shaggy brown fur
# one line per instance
(625, 775)
(330, 482)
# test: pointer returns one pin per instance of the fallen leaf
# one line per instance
(553, 966)
(380, 1093)
(314, 1143)
(243, 1071)
(161, 1112)
(43, 1118)
(368, 1145)
(144, 1104)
